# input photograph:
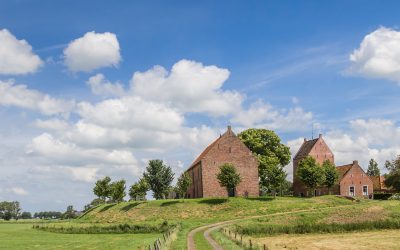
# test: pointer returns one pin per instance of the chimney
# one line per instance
(229, 129)
(355, 162)
(305, 139)
(320, 136)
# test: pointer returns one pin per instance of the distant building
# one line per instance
(226, 149)
(353, 181)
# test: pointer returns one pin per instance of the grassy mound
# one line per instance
(207, 210)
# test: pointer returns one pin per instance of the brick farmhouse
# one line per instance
(226, 149)
(353, 181)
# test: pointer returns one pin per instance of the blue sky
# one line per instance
(72, 111)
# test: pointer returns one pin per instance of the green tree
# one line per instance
(26, 215)
(102, 188)
(139, 190)
(183, 184)
(159, 177)
(310, 173)
(118, 191)
(228, 178)
(331, 174)
(373, 169)
(271, 154)
(70, 213)
(392, 179)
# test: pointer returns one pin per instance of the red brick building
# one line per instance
(353, 181)
(226, 149)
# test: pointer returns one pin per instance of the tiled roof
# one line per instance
(305, 148)
(379, 182)
(342, 170)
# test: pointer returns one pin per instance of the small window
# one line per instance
(365, 190)
(352, 191)
(230, 150)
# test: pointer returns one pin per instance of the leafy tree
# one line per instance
(310, 174)
(70, 213)
(331, 174)
(228, 177)
(373, 169)
(92, 204)
(139, 189)
(7, 215)
(159, 177)
(26, 215)
(274, 178)
(102, 188)
(9, 210)
(118, 191)
(271, 153)
(392, 179)
(286, 188)
(183, 184)
(48, 215)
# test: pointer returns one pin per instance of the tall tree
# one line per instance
(102, 188)
(310, 174)
(331, 174)
(373, 169)
(70, 213)
(26, 215)
(183, 184)
(228, 178)
(139, 189)
(270, 152)
(118, 191)
(159, 176)
(392, 179)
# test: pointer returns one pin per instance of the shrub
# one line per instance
(382, 196)
(395, 197)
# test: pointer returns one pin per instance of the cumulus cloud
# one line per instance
(378, 55)
(92, 51)
(52, 124)
(19, 95)
(16, 56)
(18, 191)
(264, 115)
(101, 86)
(189, 86)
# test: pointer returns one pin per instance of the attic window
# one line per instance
(230, 150)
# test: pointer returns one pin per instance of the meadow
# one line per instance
(138, 224)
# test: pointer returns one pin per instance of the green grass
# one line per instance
(224, 241)
(22, 236)
(201, 242)
(192, 213)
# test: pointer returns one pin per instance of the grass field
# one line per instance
(191, 214)
(385, 239)
(22, 236)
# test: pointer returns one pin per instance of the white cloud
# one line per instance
(16, 56)
(83, 174)
(92, 51)
(52, 124)
(190, 87)
(131, 112)
(264, 115)
(101, 86)
(378, 55)
(19, 191)
(20, 96)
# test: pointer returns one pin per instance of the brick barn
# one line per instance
(226, 149)
(353, 181)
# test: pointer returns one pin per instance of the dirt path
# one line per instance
(215, 226)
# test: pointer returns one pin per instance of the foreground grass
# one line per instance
(385, 239)
(193, 213)
(22, 236)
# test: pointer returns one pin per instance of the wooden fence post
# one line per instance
(251, 245)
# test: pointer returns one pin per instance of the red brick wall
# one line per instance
(320, 152)
(195, 190)
(358, 178)
(228, 149)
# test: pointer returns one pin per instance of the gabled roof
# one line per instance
(379, 182)
(305, 148)
(204, 153)
(342, 170)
